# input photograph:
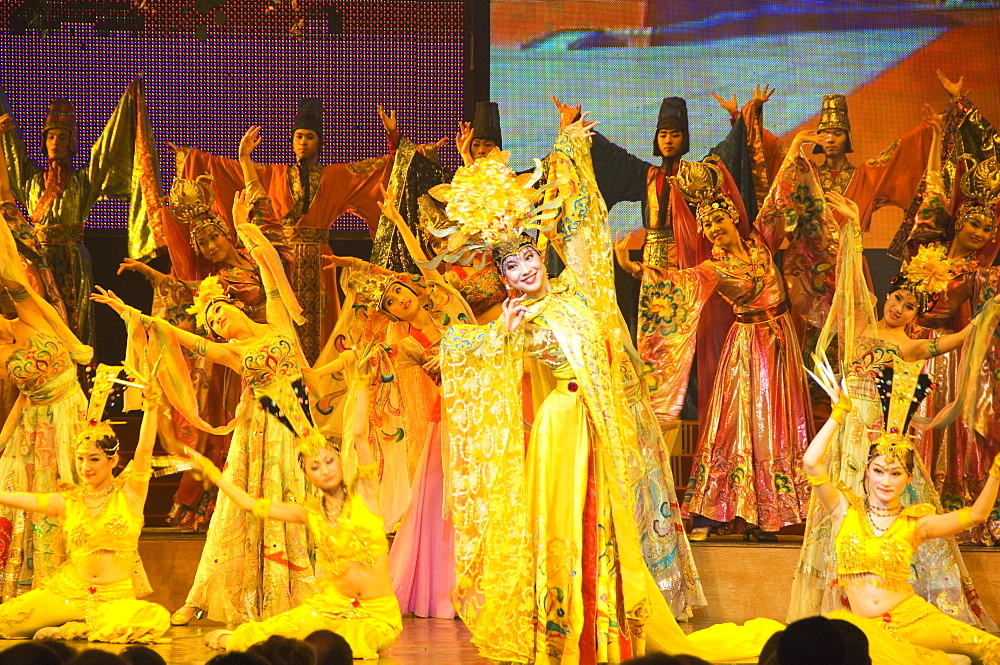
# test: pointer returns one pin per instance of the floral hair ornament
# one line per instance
(191, 202)
(981, 186)
(97, 428)
(901, 388)
(714, 202)
(211, 290)
(926, 275)
(491, 207)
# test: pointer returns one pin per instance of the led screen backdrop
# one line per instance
(620, 58)
(405, 54)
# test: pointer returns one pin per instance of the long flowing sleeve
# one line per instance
(765, 150)
(926, 219)
(124, 165)
(20, 167)
(493, 564)
(795, 209)
(670, 308)
(892, 176)
(620, 175)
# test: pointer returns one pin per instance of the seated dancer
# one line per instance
(39, 355)
(92, 595)
(235, 582)
(867, 347)
(353, 591)
(876, 536)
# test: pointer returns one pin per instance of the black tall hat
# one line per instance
(673, 115)
(310, 116)
(486, 122)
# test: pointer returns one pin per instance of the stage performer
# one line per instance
(201, 243)
(876, 535)
(548, 554)
(955, 211)
(40, 356)
(123, 165)
(747, 473)
(420, 309)
(353, 591)
(92, 595)
(250, 569)
(870, 348)
(307, 197)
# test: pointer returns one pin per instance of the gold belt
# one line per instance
(60, 235)
(307, 235)
(762, 315)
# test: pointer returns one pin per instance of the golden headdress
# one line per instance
(369, 284)
(716, 201)
(191, 201)
(833, 115)
(490, 206)
(901, 388)
(926, 275)
(981, 186)
(97, 428)
(212, 289)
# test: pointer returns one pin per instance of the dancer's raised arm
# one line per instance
(814, 458)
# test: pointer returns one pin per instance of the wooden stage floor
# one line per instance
(423, 642)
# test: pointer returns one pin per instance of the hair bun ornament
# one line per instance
(926, 275)
(212, 289)
(97, 428)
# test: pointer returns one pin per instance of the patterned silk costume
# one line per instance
(959, 455)
(757, 422)
(37, 436)
(250, 569)
(908, 632)
(547, 546)
(99, 612)
(333, 189)
(369, 625)
(123, 165)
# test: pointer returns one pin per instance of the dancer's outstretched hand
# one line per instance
(333, 261)
(845, 206)
(6, 123)
(730, 106)
(388, 119)
(567, 114)
(953, 88)
(108, 298)
(249, 141)
(761, 96)
(934, 119)
(463, 141)
(827, 380)
(243, 206)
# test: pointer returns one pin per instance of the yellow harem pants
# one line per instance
(369, 625)
(927, 628)
(82, 610)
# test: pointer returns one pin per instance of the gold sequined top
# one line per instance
(883, 561)
(358, 537)
(115, 528)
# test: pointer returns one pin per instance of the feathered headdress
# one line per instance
(926, 275)
(491, 207)
(211, 290)
(97, 428)
(901, 388)
(191, 202)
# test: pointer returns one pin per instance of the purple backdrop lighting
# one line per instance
(250, 71)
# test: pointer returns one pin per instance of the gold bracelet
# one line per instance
(368, 471)
(210, 471)
(839, 413)
(965, 518)
(818, 480)
(43, 503)
(262, 508)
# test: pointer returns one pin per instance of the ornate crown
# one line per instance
(191, 202)
(713, 202)
(491, 207)
(901, 388)
(981, 186)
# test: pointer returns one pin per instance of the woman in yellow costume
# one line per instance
(250, 568)
(877, 536)
(549, 565)
(92, 595)
(868, 347)
(353, 594)
(39, 355)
